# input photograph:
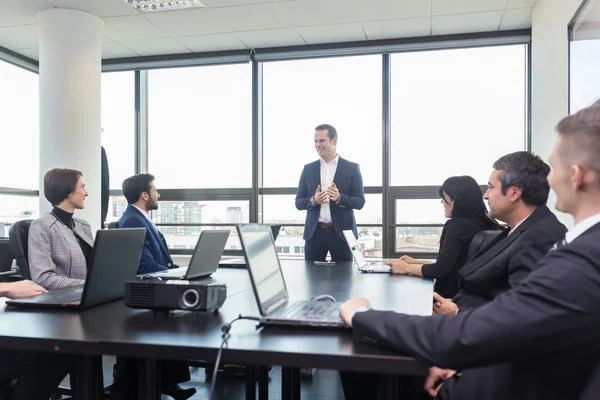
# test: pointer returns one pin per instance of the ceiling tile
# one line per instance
(31, 53)
(321, 12)
(271, 38)
(229, 3)
(130, 28)
(397, 28)
(449, 7)
(374, 10)
(518, 18)
(202, 21)
(20, 37)
(115, 50)
(332, 33)
(227, 41)
(100, 8)
(466, 23)
(155, 46)
(520, 3)
(21, 12)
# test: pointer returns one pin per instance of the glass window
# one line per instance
(16, 208)
(409, 212)
(281, 209)
(585, 58)
(454, 112)
(199, 212)
(118, 125)
(418, 239)
(200, 126)
(19, 134)
(299, 95)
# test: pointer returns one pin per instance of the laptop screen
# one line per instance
(353, 245)
(263, 265)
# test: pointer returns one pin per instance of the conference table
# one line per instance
(116, 329)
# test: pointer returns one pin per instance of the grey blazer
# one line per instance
(55, 257)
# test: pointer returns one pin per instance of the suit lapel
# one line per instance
(504, 243)
(82, 235)
(337, 170)
(158, 237)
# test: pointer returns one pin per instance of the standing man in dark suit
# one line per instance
(517, 195)
(142, 196)
(545, 328)
(330, 189)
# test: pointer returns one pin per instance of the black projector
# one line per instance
(175, 295)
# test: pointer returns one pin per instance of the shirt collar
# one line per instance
(332, 162)
(581, 227)
(517, 225)
(144, 213)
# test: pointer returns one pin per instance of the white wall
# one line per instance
(549, 75)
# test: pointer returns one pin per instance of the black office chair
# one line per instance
(18, 233)
(481, 240)
(113, 225)
(6, 259)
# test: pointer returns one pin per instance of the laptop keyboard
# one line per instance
(313, 310)
(66, 296)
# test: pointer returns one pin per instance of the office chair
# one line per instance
(18, 234)
(6, 259)
(481, 240)
(113, 225)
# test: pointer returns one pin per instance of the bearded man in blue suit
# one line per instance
(330, 189)
(142, 196)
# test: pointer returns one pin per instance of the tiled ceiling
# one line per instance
(246, 24)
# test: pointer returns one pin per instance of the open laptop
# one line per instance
(114, 261)
(205, 259)
(241, 261)
(378, 266)
(270, 289)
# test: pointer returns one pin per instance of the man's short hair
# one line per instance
(59, 183)
(134, 186)
(582, 131)
(331, 132)
(527, 172)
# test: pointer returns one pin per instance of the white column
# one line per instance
(549, 77)
(70, 68)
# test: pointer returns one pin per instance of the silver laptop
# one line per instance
(270, 289)
(205, 259)
(379, 266)
(240, 262)
(114, 261)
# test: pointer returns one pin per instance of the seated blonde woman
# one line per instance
(59, 245)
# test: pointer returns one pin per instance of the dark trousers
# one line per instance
(125, 386)
(37, 375)
(324, 240)
(365, 386)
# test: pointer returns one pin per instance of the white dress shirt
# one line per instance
(517, 225)
(145, 214)
(581, 227)
(327, 175)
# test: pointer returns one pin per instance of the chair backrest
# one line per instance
(113, 225)
(6, 254)
(18, 233)
(481, 240)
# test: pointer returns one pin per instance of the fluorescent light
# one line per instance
(163, 5)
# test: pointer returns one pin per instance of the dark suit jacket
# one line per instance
(454, 249)
(155, 254)
(508, 259)
(546, 327)
(348, 180)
